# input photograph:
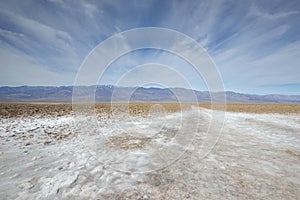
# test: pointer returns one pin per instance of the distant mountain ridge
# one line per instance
(104, 93)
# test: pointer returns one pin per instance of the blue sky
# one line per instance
(254, 44)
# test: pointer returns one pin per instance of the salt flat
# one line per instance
(172, 156)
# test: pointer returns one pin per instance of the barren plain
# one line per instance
(157, 151)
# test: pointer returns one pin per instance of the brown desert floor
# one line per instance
(8, 110)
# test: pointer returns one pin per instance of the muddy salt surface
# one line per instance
(257, 156)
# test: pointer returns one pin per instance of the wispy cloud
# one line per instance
(18, 69)
(253, 43)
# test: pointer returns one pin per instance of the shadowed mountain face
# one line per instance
(105, 94)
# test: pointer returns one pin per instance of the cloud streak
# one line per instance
(253, 43)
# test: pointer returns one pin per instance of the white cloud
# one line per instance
(10, 34)
(255, 11)
(19, 69)
(38, 30)
(40, 41)
(154, 73)
(252, 42)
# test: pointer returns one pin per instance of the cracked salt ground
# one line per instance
(256, 157)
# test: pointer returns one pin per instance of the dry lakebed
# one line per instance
(155, 151)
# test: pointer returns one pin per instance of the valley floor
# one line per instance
(178, 155)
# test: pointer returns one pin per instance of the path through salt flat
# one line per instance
(257, 156)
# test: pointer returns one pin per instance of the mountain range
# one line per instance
(103, 93)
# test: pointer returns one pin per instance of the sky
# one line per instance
(255, 45)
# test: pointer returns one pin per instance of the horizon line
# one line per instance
(109, 85)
